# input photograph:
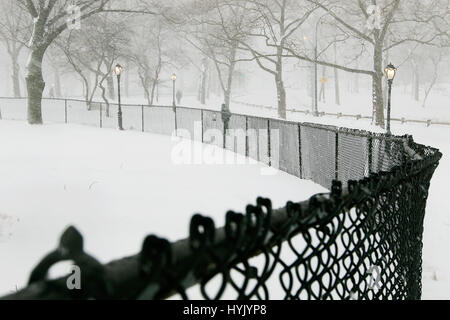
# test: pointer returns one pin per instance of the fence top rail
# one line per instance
(331, 128)
(339, 114)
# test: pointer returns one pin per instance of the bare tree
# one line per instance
(434, 60)
(14, 29)
(50, 19)
(276, 22)
(93, 50)
(151, 52)
(77, 59)
(383, 25)
(216, 32)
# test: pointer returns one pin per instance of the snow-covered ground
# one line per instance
(436, 251)
(116, 187)
(116, 184)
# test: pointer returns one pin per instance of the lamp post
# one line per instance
(389, 71)
(174, 78)
(118, 70)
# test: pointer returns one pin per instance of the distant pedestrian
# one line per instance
(179, 96)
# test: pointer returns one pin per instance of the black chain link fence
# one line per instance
(362, 240)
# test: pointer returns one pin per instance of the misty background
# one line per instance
(265, 52)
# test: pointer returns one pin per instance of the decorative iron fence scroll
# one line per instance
(362, 240)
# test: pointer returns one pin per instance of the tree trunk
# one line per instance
(416, 83)
(102, 87)
(94, 86)
(310, 86)
(153, 91)
(378, 103)
(227, 91)
(110, 85)
(281, 96)
(35, 86)
(209, 84)
(385, 84)
(281, 92)
(86, 90)
(144, 78)
(433, 79)
(217, 86)
(377, 83)
(15, 76)
(127, 83)
(337, 97)
(57, 82)
(203, 83)
(199, 88)
(309, 76)
(229, 84)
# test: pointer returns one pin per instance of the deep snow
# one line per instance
(116, 187)
(105, 173)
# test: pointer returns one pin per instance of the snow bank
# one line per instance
(116, 187)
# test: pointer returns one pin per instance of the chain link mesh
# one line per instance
(258, 139)
(189, 120)
(318, 152)
(13, 109)
(160, 120)
(284, 146)
(362, 240)
(78, 112)
(213, 128)
(236, 135)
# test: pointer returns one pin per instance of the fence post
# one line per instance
(65, 110)
(142, 118)
(300, 150)
(268, 143)
(369, 154)
(337, 156)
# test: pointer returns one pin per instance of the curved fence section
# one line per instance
(362, 240)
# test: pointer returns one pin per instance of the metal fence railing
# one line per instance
(402, 120)
(362, 240)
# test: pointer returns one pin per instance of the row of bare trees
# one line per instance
(214, 36)
(355, 36)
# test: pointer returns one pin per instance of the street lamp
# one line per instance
(174, 78)
(118, 70)
(390, 72)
